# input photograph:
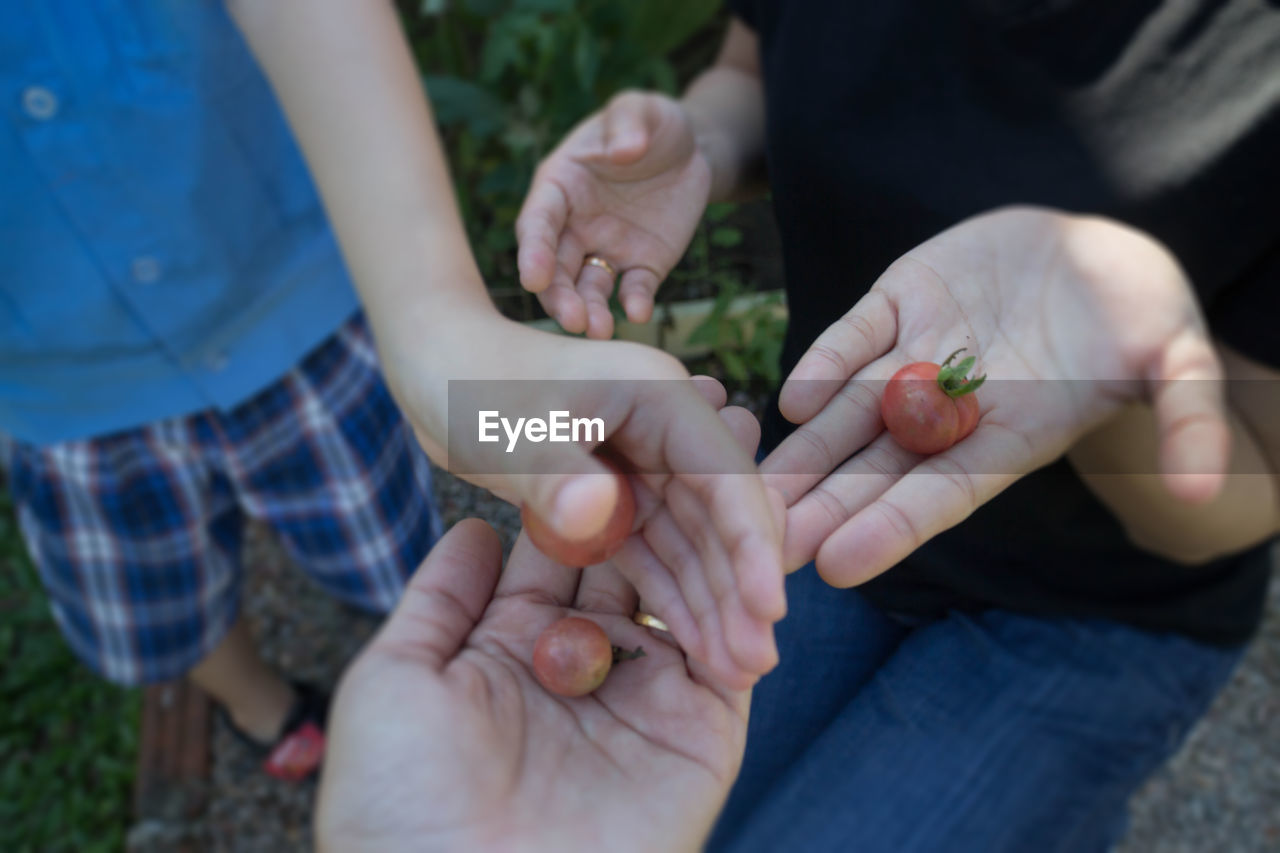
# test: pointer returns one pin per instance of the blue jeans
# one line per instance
(979, 732)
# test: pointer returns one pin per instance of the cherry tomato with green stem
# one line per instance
(929, 407)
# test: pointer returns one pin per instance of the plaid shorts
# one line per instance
(137, 535)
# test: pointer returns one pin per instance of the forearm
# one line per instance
(726, 106)
(347, 82)
(1118, 463)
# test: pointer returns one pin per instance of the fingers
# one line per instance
(627, 128)
(865, 333)
(565, 485)
(562, 300)
(538, 228)
(886, 525)
(683, 570)
(647, 562)
(1195, 439)
(829, 504)
(709, 576)
(533, 575)
(747, 638)
(595, 286)
(848, 421)
(603, 589)
(725, 480)
(711, 390)
(743, 426)
(446, 596)
(636, 293)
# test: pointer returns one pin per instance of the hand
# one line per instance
(629, 184)
(1036, 295)
(441, 738)
(687, 581)
(723, 589)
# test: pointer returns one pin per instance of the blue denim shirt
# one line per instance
(162, 247)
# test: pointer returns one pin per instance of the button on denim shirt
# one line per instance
(162, 247)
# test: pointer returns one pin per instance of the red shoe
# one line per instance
(299, 751)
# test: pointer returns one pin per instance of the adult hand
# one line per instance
(629, 185)
(1096, 313)
(441, 738)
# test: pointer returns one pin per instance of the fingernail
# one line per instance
(583, 506)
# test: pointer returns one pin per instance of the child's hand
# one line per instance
(628, 187)
(699, 491)
(692, 591)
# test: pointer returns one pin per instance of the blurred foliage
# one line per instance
(747, 344)
(68, 740)
(509, 78)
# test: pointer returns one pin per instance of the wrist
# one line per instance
(713, 148)
(725, 107)
(425, 304)
(719, 150)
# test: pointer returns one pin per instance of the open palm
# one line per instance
(627, 185)
(443, 739)
(1070, 318)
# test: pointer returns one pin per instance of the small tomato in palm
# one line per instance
(928, 407)
(594, 549)
(572, 656)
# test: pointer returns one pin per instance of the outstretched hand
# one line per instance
(1071, 318)
(441, 738)
(656, 423)
(629, 186)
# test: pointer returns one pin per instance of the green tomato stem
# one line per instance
(952, 379)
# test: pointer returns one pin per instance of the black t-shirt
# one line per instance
(888, 122)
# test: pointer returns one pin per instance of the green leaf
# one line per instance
(720, 210)
(508, 179)
(734, 366)
(485, 7)
(706, 333)
(660, 26)
(544, 5)
(726, 236)
(664, 76)
(586, 58)
(502, 49)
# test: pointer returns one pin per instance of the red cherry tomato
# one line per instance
(596, 549)
(572, 656)
(929, 407)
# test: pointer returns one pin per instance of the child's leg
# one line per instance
(138, 545)
(327, 460)
(255, 696)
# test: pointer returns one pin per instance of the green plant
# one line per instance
(509, 78)
(746, 343)
(68, 741)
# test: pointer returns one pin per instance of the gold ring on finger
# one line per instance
(648, 620)
(597, 261)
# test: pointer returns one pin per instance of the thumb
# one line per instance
(1187, 396)
(627, 129)
(567, 487)
(446, 596)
